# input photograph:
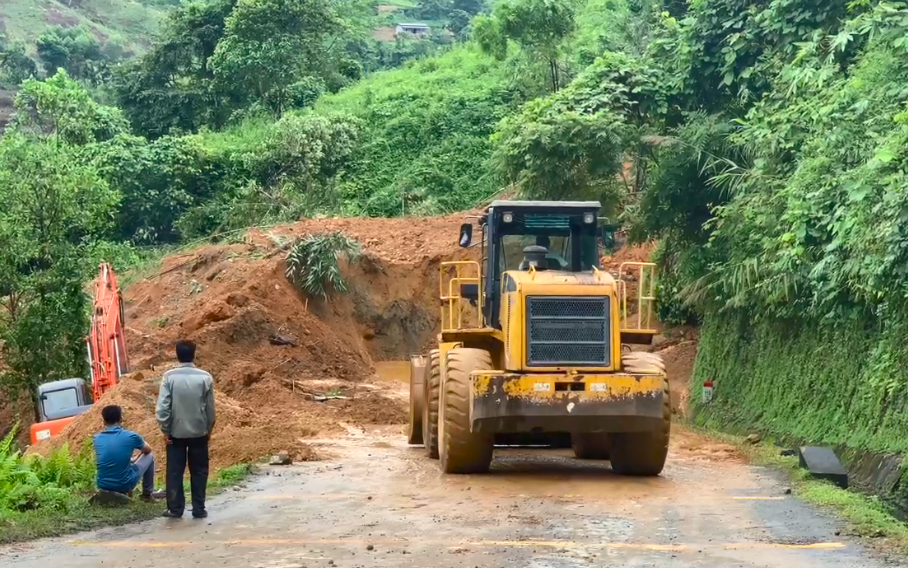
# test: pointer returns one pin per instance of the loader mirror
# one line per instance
(608, 237)
(466, 234)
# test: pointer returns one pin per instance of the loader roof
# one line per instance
(503, 203)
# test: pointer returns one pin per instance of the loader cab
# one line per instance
(563, 234)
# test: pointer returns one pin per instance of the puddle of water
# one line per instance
(395, 371)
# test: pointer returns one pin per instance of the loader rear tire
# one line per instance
(430, 406)
(463, 451)
(643, 453)
(590, 446)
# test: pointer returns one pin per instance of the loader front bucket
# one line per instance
(417, 398)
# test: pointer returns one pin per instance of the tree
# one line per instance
(52, 208)
(158, 182)
(73, 49)
(269, 45)
(471, 7)
(171, 88)
(15, 64)
(62, 107)
(458, 21)
(553, 153)
(538, 26)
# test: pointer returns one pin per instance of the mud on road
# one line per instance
(377, 502)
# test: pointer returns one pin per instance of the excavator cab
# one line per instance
(58, 403)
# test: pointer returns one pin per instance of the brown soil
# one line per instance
(55, 17)
(6, 108)
(16, 414)
(384, 33)
(679, 365)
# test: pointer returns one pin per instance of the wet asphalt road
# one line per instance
(378, 503)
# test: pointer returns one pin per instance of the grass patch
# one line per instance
(866, 515)
(230, 477)
(75, 514)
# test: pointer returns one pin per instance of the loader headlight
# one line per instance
(588, 218)
(507, 217)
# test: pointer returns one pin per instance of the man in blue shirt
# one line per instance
(114, 448)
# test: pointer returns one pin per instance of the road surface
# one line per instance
(376, 502)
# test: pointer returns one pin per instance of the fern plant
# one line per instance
(312, 262)
(32, 482)
(17, 481)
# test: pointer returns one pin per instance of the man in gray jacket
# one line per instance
(186, 415)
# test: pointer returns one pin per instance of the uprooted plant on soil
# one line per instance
(312, 262)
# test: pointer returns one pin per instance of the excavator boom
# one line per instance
(106, 340)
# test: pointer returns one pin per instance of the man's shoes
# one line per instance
(172, 515)
(203, 514)
(153, 496)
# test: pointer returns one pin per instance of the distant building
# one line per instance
(417, 30)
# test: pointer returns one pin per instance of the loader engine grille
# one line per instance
(568, 331)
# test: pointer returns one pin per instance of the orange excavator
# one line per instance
(59, 402)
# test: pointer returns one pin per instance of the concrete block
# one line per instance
(823, 464)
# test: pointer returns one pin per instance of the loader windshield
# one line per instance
(571, 242)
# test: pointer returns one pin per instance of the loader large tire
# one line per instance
(643, 453)
(463, 451)
(590, 446)
(430, 407)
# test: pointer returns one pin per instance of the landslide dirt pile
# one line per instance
(286, 367)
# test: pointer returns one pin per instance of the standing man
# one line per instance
(186, 415)
(114, 448)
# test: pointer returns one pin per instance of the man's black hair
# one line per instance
(112, 414)
(185, 351)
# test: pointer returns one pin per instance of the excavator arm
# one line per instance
(106, 340)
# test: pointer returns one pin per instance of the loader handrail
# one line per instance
(451, 297)
(646, 297)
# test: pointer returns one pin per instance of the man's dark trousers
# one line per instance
(196, 450)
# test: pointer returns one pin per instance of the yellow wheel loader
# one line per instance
(531, 345)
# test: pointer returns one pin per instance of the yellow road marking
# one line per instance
(814, 546)
(483, 543)
(654, 547)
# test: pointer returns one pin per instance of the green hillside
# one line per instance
(125, 22)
